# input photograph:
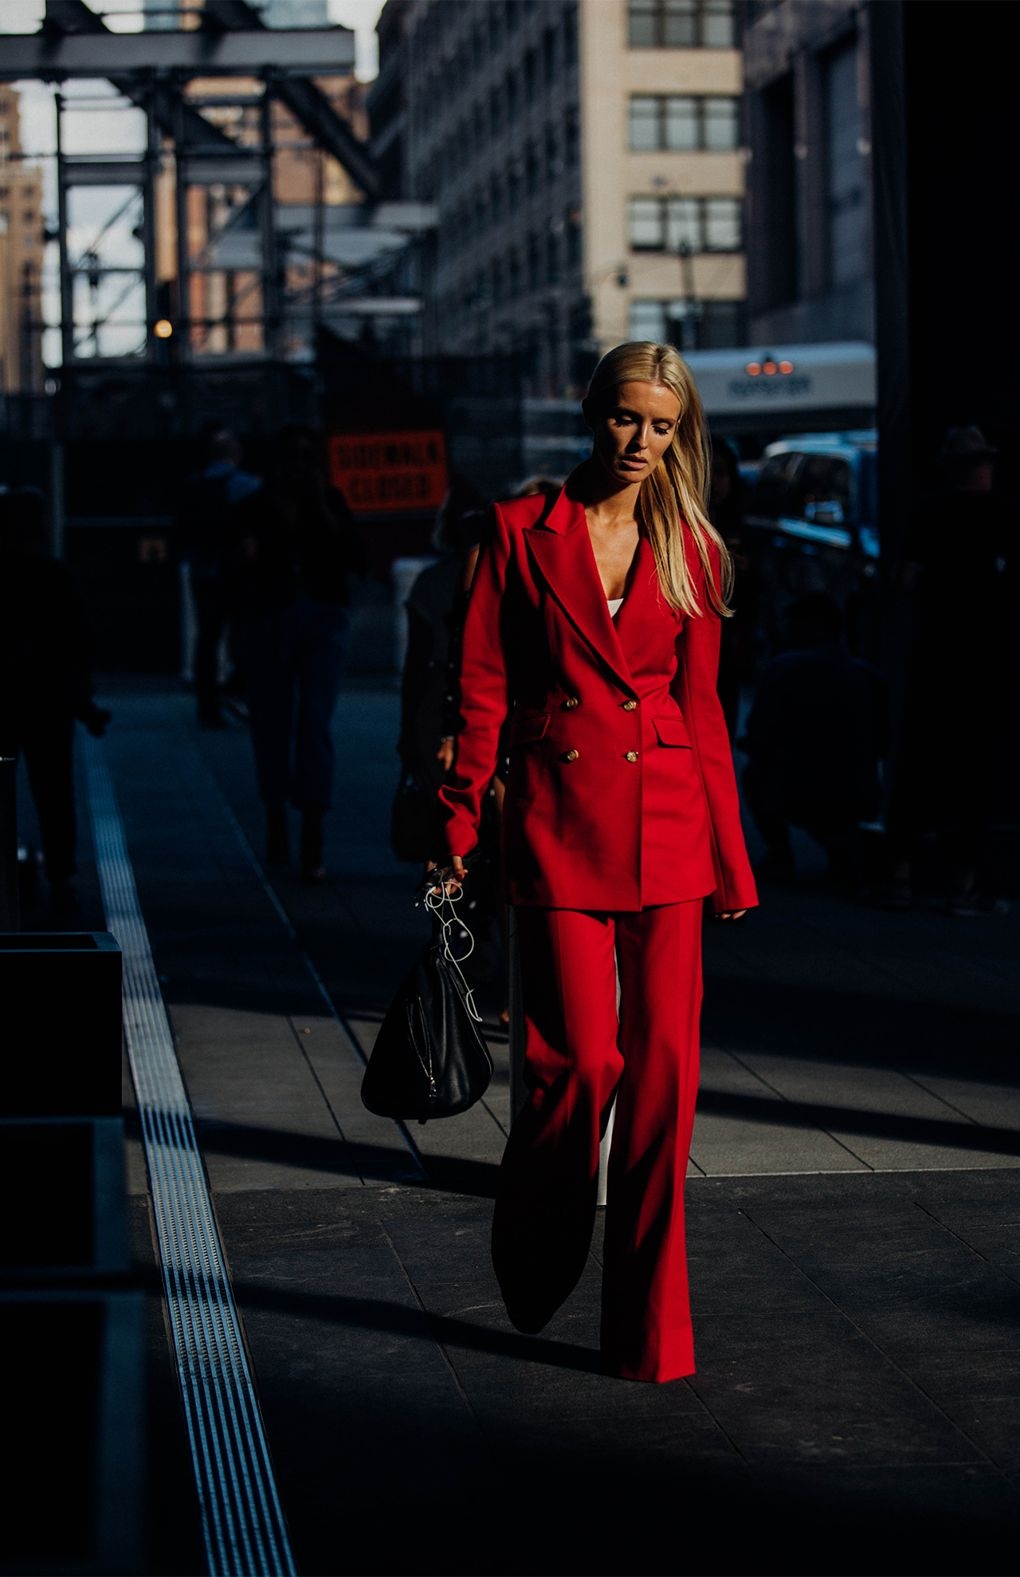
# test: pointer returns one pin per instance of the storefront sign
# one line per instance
(386, 473)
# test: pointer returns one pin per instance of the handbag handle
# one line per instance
(442, 903)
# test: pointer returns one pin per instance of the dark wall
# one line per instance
(945, 131)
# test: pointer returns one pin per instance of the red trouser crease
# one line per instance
(578, 1053)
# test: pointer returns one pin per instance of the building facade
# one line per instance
(809, 204)
(586, 160)
(21, 258)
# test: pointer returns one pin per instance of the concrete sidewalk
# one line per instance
(853, 1199)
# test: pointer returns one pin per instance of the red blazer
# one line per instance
(621, 789)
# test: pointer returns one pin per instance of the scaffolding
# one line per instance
(239, 211)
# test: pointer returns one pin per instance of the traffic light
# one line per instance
(164, 324)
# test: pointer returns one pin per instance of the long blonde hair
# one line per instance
(674, 497)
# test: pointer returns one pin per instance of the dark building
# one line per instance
(810, 249)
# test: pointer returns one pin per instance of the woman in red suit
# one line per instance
(593, 632)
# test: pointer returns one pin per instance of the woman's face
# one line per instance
(632, 436)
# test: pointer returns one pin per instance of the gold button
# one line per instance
(629, 706)
(571, 755)
(632, 755)
(571, 702)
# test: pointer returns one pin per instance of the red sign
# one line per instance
(385, 473)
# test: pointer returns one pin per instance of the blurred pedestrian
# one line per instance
(548, 486)
(435, 610)
(298, 547)
(955, 767)
(727, 502)
(816, 736)
(436, 605)
(46, 659)
(207, 536)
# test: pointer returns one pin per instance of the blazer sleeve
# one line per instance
(696, 681)
(484, 697)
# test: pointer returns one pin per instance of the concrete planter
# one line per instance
(73, 1480)
(66, 1218)
(60, 1024)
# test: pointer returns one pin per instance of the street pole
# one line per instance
(9, 906)
(689, 321)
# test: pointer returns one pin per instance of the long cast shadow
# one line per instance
(377, 1314)
(932, 1131)
(336, 1157)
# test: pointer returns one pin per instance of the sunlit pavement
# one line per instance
(854, 1189)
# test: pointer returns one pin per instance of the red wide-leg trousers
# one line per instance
(579, 1052)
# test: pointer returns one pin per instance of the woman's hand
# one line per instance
(445, 753)
(731, 914)
(454, 883)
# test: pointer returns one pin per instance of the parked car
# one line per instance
(812, 520)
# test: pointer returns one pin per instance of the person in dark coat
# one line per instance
(46, 658)
(816, 736)
(435, 610)
(954, 776)
(436, 604)
(727, 499)
(298, 547)
(207, 540)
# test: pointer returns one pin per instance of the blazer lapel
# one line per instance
(560, 546)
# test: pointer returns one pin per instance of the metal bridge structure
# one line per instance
(195, 243)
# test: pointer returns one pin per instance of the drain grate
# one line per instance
(242, 1518)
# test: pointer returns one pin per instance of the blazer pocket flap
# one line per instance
(672, 731)
(528, 726)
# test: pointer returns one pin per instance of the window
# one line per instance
(571, 135)
(530, 75)
(552, 153)
(681, 24)
(531, 168)
(824, 479)
(846, 186)
(552, 258)
(645, 229)
(573, 231)
(644, 123)
(680, 123)
(722, 224)
(720, 124)
(705, 325)
(549, 56)
(700, 224)
(718, 30)
(648, 320)
(535, 280)
(569, 36)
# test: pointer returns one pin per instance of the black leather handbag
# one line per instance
(430, 1058)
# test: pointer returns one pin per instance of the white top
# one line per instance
(614, 604)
